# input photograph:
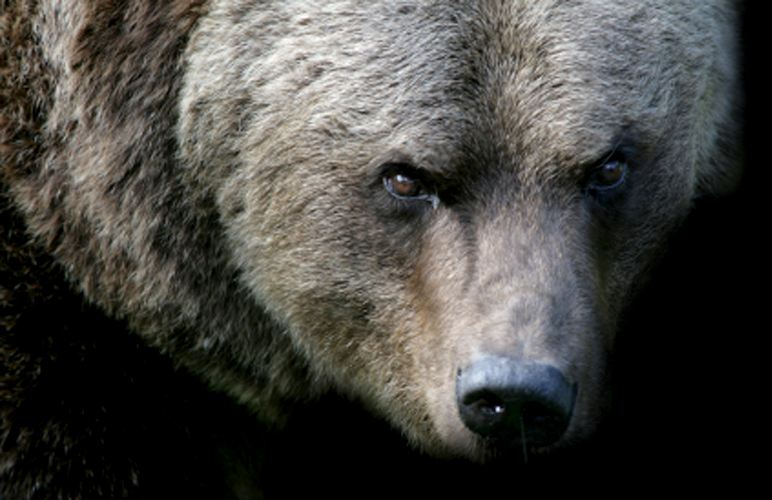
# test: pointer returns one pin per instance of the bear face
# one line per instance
(440, 210)
(496, 194)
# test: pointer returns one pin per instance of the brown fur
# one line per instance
(210, 172)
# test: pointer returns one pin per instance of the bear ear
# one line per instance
(719, 139)
(720, 154)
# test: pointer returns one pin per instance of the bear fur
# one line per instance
(205, 251)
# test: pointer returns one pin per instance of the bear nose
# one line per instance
(510, 400)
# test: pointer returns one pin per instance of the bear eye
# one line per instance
(403, 185)
(610, 175)
(405, 182)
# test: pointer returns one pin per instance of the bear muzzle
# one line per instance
(515, 403)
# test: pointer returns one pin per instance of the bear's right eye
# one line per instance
(404, 186)
(406, 183)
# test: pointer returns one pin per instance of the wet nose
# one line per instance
(507, 399)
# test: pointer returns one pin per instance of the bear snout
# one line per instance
(514, 402)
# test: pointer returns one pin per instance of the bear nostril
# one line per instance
(513, 401)
(483, 410)
(491, 405)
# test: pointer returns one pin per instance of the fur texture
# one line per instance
(210, 176)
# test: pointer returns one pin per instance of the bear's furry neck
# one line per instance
(101, 181)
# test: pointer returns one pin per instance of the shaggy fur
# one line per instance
(210, 176)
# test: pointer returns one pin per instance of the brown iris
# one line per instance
(403, 185)
(611, 174)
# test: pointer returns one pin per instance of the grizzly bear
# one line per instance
(230, 226)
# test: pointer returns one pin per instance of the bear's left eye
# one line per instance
(609, 175)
